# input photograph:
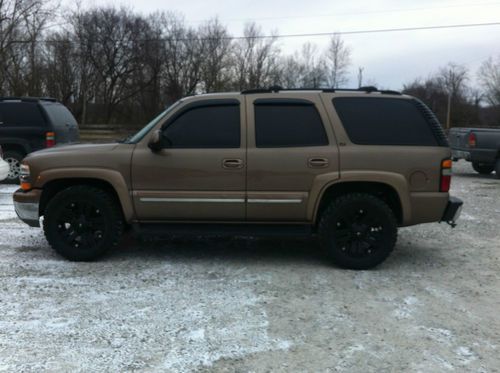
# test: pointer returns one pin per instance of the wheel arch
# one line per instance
(387, 192)
(111, 181)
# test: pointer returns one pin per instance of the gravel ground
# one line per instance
(257, 305)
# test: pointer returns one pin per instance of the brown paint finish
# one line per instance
(247, 184)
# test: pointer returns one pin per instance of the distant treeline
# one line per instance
(113, 65)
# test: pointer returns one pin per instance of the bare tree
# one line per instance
(314, 71)
(453, 78)
(20, 26)
(255, 59)
(109, 38)
(216, 59)
(338, 60)
(489, 76)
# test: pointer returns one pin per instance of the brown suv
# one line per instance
(348, 165)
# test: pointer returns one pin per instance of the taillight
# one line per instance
(50, 139)
(445, 176)
(472, 140)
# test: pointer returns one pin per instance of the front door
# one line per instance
(200, 172)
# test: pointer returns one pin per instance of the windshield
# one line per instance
(145, 130)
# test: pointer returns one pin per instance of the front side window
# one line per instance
(205, 127)
(288, 123)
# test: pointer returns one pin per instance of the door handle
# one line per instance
(232, 163)
(317, 162)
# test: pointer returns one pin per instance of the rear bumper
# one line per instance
(26, 205)
(452, 211)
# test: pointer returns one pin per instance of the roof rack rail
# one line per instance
(27, 99)
(275, 89)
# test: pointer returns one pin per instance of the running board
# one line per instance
(210, 229)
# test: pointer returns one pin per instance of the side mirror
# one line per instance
(155, 143)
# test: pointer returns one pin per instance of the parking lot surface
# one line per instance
(257, 305)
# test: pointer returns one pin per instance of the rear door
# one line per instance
(290, 145)
(62, 121)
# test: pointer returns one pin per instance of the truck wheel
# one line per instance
(82, 222)
(14, 159)
(358, 231)
(497, 169)
(483, 169)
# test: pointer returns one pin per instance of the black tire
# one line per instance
(14, 159)
(497, 169)
(81, 223)
(358, 231)
(483, 169)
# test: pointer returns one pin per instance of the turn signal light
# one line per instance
(25, 186)
(445, 182)
(50, 139)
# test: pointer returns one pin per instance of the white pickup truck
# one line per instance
(4, 167)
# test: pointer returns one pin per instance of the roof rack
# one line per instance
(276, 89)
(27, 99)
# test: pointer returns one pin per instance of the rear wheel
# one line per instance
(358, 231)
(14, 159)
(484, 169)
(497, 169)
(81, 223)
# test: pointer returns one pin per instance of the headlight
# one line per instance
(24, 177)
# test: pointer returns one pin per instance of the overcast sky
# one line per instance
(389, 59)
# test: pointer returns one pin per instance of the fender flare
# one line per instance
(112, 177)
(394, 180)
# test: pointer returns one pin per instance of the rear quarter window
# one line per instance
(21, 114)
(59, 115)
(384, 121)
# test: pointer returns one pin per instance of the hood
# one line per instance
(75, 149)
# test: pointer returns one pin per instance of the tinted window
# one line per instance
(206, 127)
(21, 114)
(60, 115)
(383, 121)
(288, 125)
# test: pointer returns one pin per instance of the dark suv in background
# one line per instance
(28, 124)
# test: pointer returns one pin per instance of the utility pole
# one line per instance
(448, 112)
(360, 76)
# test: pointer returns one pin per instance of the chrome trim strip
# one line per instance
(192, 200)
(262, 200)
(221, 200)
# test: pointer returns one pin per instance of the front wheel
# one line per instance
(483, 169)
(358, 231)
(82, 222)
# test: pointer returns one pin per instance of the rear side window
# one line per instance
(59, 115)
(214, 126)
(384, 121)
(288, 123)
(22, 114)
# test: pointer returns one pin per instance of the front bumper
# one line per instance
(452, 211)
(26, 205)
